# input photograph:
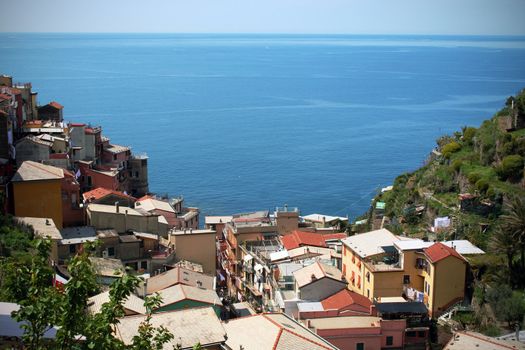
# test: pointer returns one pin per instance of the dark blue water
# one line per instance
(237, 123)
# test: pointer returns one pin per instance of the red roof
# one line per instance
(102, 192)
(344, 299)
(332, 236)
(4, 97)
(143, 198)
(55, 105)
(301, 238)
(438, 251)
(58, 156)
(77, 124)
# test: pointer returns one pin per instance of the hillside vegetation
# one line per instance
(475, 177)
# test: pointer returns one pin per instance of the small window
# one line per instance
(422, 334)
(368, 276)
(144, 265)
(72, 248)
(368, 293)
(114, 157)
(406, 279)
(360, 346)
(411, 334)
(111, 251)
(389, 340)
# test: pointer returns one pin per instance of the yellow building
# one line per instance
(378, 264)
(197, 246)
(37, 191)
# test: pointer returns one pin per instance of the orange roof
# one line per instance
(438, 251)
(143, 198)
(55, 104)
(344, 299)
(102, 192)
(77, 124)
(300, 238)
(330, 236)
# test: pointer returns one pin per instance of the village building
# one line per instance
(124, 219)
(360, 332)
(179, 275)
(132, 305)
(177, 216)
(45, 191)
(196, 246)
(271, 331)
(51, 111)
(189, 327)
(472, 340)
(318, 281)
(32, 148)
(43, 228)
(379, 264)
(101, 195)
(182, 296)
(325, 221)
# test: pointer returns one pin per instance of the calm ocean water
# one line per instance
(245, 122)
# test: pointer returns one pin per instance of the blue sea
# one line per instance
(245, 122)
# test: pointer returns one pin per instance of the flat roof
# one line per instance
(217, 219)
(319, 218)
(345, 322)
(472, 340)
(370, 243)
(111, 209)
(464, 247)
(192, 232)
(309, 307)
(43, 227)
(412, 307)
(415, 244)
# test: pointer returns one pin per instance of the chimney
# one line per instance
(117, 206)
(324, 220)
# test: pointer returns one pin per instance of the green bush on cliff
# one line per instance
(450, 148)
(511, 167)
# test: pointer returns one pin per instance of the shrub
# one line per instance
(473, 177)
(482, 185)
(450, 148)
(456, 165)
(511, 167)
(468, 134)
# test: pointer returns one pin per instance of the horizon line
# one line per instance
(278, 33)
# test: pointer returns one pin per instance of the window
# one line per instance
(344, 269)
(360, 346)
(114, 157)
(422, 334)
(111, 251)
(410, 334)
(406, 279)
(368, 276)
(368, 293)
(389, 340)
(144, 265)
(353, 258)
(353, 278)
(72, 249)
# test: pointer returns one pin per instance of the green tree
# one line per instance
(511, 167)
(450, 148)
(148, 337)
(38, 301)
(513, 223)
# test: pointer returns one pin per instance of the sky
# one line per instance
(447, 17)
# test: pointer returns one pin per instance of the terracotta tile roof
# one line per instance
(178, 275)
(102, 192)
(347, 299)
(77, 124)
(55, 105)
(334, 236)
(438, 251)
(300, 238)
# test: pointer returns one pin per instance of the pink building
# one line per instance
(360, 332)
